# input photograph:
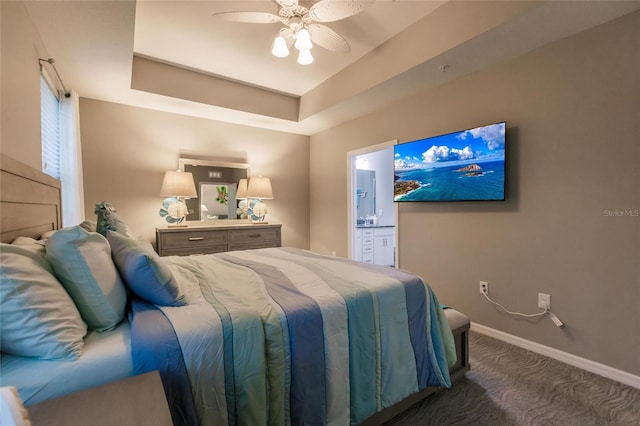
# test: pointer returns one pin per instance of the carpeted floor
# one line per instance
(508, 385)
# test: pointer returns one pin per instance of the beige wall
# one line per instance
(126, 150)
(573, 153)
(20, 87)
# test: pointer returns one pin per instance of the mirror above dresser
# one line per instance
(216, 184)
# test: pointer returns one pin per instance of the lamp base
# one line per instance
(174, 211)
(257, 211)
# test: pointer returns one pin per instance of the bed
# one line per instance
(268, 336)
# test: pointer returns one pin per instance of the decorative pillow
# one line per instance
(143, 271)
(37, 316)
(82, 262)
(108, 220)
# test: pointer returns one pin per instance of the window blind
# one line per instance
(50, 119)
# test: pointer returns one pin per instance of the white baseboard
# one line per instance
(576, 361)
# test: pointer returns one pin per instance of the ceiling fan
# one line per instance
(301, 29)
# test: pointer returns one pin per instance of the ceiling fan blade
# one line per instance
(249, 17)
(334, 10)
(288, 4)
(325, 37)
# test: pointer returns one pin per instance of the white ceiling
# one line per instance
(93, 43)
(185, 33)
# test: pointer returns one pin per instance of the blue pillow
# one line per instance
(143, 271)
(37, 316)
(82, 262)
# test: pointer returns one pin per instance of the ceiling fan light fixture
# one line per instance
(302, 22)
(303, 40)
(305, 57)
(280, 48)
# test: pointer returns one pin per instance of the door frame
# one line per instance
(351, 196)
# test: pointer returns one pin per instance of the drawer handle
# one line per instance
(196, 238)
(253, 235)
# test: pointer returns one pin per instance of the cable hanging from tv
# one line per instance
(52, 62)
(545, 312)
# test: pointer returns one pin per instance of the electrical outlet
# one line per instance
(484, 287)
(544, 301)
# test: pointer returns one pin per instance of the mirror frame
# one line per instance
(186, 161)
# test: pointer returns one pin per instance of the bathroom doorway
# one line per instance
(372, 212)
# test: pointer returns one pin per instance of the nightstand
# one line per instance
(206, 238)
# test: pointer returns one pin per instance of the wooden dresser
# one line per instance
(205, 238)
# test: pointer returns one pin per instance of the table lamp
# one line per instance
(176, 186)
(258, 189)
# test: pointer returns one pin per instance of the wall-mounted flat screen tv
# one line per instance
(468, 165)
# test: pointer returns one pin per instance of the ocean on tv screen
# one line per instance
(462, 166)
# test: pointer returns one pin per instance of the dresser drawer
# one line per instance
(254, 245)
(188, 251)
(254, 236)
(193, 239)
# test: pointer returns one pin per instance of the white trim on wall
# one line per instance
(573, 360)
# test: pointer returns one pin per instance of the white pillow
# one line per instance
(82, 262)
(29, 243)
(47, 235)
(37, 316)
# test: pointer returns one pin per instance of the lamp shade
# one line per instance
(241, 193)
(178, 184)
(259, 187)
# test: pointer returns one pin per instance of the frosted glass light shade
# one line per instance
(280, 48)
(259, 187)
(303, 40)
(178, 184)
(305, 58)
(241, 193)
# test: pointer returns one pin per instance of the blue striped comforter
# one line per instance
(284, 336)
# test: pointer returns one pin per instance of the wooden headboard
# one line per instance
(30, 203)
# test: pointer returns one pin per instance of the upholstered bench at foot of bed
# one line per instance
(459, 324)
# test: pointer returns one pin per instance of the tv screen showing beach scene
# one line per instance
(468, 165)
